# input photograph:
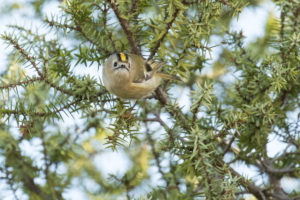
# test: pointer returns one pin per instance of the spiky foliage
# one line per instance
(193, 148)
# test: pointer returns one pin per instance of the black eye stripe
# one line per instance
(115, 64)
(148, 67)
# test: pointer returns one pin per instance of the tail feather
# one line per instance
(169, 77)
(156, 66)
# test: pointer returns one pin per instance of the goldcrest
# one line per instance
(129, 76)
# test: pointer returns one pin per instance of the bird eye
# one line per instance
(115, 64)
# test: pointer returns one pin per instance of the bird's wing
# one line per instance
(138, 68)
(168, 76)
(155, 67)
(144, 70)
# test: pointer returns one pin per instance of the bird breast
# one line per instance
(116, 81)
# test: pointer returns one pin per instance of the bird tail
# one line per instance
(168, 76)
(156, 66)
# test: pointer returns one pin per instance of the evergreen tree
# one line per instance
(194, 148)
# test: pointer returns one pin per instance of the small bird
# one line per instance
(129, 76)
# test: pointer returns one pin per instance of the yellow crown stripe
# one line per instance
(123, 57)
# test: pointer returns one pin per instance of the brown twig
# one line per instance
(163, 124)
(39, 114)
(46, 114)
(196, 110)
(161, 96)
(34, 65)
(230, 143)
(125, 26)
(25, 54)
(169, 25)
(205, 168)
(282, 21)
(45, 154)
(77, 28)
(21, 83)
(253, 189)
(156, 158)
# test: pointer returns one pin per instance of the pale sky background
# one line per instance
(252, 21)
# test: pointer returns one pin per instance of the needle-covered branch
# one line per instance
(126, 28)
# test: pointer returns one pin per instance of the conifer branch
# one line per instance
(163, 124)
(157, 161)
(126, 28)
(253, 189)
(24, 53)
(205, 169)
(11, 184)
(227, 148)
(105, 26)
(21, 83)
(31, 59)
(39, 114)
(168, 27)
(53, 23)
(78, 29)
(282, 27)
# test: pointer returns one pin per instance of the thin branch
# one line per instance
(169, 25)
(40, 114)
(25, 54)
(34, 65)
(59, 25)
(58, 88)
(268, 166)
(196, 109)
(230, 143)
(109, 33)
(284, 154)
(34, 188)
(282, 21)
(230, 126)
(295, 25)
(134, 6)
(45, 153)
(125, 26)
(156, 158)
(205, 168)
(46, 114)
(161, 96)
(27, 180)
(77, 28)
(80, 30)
(21, 83)
(10, 183)
(253, 189)
(163, 124)
(177, 114)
